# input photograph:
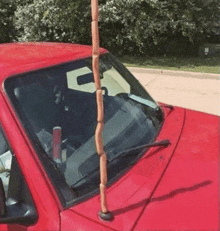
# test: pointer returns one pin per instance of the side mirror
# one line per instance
(13, 212)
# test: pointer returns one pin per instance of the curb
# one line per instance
(186, 74)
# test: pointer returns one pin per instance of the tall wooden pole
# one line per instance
(104, 213)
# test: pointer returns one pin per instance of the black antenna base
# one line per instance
(106, 216)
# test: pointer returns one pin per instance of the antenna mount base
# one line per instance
(106, 216)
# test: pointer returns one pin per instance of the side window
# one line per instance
(5, 161)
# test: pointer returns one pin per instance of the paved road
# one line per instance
(197, 91)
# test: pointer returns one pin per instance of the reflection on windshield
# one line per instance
(64, 96)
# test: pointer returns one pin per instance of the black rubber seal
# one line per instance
(106, 216)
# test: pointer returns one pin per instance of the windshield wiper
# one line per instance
(164, 143)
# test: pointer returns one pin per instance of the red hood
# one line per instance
(167, 186)
(188, 195)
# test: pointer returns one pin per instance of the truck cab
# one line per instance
(48, 101)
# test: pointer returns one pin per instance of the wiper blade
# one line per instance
(164, 143)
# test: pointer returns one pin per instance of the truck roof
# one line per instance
(18, 58)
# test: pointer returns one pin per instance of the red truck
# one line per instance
(163, 161)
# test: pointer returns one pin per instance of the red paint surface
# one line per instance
(188, 195)
(17, 58)
(173, 188)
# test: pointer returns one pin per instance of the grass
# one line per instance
(194, 64)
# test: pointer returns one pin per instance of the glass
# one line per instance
(5, 161)
(59, 103)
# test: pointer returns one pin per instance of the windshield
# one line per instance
(63, 97)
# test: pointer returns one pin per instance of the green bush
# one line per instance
(147, 27)
(7, 32)
(151, 26)
(53, 20)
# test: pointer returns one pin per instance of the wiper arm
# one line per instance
(164, 143)
(158, 143)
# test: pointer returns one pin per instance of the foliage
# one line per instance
(133, 24)
(126, 26)
(7, 9)
(53, 20)
(150, 25)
